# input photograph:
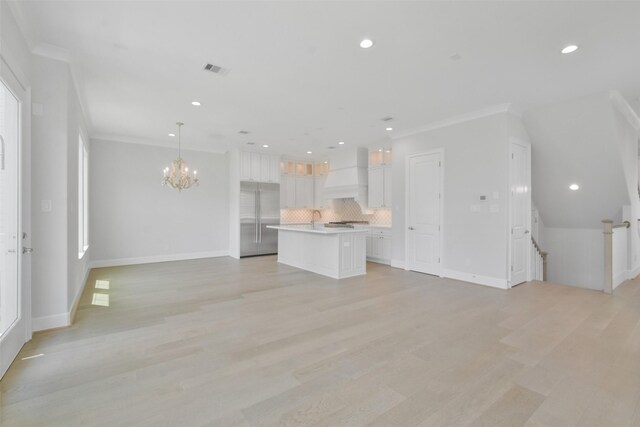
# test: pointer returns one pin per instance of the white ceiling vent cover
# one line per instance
(216, 69)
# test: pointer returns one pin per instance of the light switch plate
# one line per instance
(46, 206)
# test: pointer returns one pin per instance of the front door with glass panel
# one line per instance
(12, 323)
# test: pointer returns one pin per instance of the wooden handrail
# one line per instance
(625, 224)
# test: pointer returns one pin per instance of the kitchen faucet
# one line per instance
(313, 215)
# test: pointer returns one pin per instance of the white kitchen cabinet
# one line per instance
(386, 197)
(304, 192)
(287, 192)
(259, 167)
(296, 192)
(320, 201)
(380, 156)
(302, 184)
(269, 168)
(379, 186)
(379, 245)
(335, 253)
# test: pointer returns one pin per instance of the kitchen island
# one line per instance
(334, 252)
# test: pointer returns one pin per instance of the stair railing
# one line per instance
(539, 261)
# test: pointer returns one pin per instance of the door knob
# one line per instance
(526, 232)
(26, 250)
(411, 228)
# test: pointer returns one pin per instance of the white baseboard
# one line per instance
(634, 272)
(50, 322)
(477, 279)
(397, 263)
(157, 258)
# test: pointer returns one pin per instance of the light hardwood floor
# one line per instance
(223, 342)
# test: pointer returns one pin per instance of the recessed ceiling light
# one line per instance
(574, 187)
(196, 103)
(309, 152)
(251, 143)
(389, 128)
(265, 145)
(366, 43)
(341, 143)
(172, 134)
(379, 149)
(569, 49)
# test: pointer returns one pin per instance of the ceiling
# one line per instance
(299, 81)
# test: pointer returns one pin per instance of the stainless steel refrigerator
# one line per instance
(259, 207)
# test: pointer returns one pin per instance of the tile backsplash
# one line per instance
(345, 210)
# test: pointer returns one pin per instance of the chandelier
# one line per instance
(177, 175)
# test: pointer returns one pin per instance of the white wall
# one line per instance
(627, 124)
(49, 163)
(475, 164)
(620, 252)
(575, 142)
(135, 219)
(576, 256)
(233, 160)
(78, 269)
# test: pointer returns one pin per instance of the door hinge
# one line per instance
(512, 155)
(439, 196)
(512, 268)
(439, 164)
(438, 260)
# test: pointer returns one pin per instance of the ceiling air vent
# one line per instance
(386, 119)
(244, 132)
(216, 69)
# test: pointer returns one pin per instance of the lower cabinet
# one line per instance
(379, 246)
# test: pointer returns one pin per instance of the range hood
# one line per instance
(347, 178)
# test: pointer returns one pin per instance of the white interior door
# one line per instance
(423, 204)
(14, 328)
(519, 207)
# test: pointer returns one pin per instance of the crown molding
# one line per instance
(466, 117)
(50, 51)
(143, 141)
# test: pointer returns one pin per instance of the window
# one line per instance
(83, 198)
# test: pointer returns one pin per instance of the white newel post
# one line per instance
(608, 256)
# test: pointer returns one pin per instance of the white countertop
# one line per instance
(318, 228)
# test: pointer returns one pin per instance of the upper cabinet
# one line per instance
(302, 184)
(321, 171)
(259, 167)
(380, 156)
(380, 178)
